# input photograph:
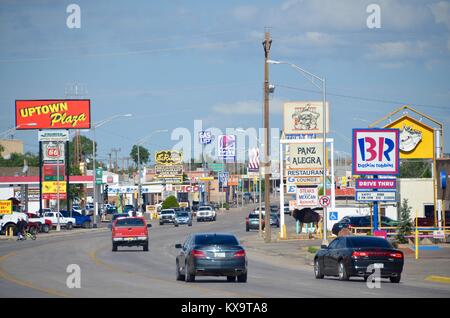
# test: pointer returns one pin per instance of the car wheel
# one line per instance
(45, 228)
(190, 224)
(188, 276)
(160, 223)
(145, 246)
(114, 247)
(247, 229)
(317, 269)
(242, 278)
(176, 224)
(69, 226)
(179, 276)
(343, 275)
(231, 279)
(396, 279)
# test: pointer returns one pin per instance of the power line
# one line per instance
(364, 98)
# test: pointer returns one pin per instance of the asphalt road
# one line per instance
(38, 269)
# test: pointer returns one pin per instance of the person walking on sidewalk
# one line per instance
(21, 225)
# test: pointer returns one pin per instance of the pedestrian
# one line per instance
(21, 224)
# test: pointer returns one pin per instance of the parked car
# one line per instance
(348, 256)
(115, 217)
(360, 221)
(286, 209)
(66, 222)
(167, 216)
(182, 218)
(248, 197)
(206, 213)
(130, 231)
(211, 254)
(81, 220)
(44, 224)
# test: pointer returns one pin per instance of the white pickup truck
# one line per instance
(10, 220)
(68, 222)
(206, 213)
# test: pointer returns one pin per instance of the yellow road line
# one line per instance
(438, 279)
(7, 276)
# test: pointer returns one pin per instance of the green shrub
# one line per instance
(170, 202)
(313, 249)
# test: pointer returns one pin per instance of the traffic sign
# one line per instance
(333, 216)
(325, 200)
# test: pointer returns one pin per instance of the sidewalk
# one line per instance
(53, 233)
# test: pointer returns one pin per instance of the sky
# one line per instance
(169, 63)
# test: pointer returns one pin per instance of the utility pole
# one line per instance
(110, 162)
(115, 150)
(267, 230)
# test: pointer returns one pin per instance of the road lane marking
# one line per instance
(9, 277)
(438, 279)
(100, 263)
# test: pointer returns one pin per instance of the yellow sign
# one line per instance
(169, 157)
(206, 178)
(416, 138)
(5, 207)
(52, 187)
(184, 204)
(150, 208)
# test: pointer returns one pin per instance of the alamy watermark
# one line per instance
(74, 19)
(374, 19)
(74, 278)
(374, 279)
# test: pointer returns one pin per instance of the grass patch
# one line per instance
(313, 249)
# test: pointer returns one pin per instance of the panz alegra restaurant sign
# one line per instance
(53, 114)
(305, 156)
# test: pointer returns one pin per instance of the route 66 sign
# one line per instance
(53, 151)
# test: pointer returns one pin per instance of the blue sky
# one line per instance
(172, 62)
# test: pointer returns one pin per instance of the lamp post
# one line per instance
(6, 132)
(139, 143)
(95, 126)
(313, 78)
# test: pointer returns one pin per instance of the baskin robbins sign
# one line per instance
(376, 152)
(53, 114)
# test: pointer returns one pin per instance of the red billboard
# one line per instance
(53, 114)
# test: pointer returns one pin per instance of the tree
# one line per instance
(415, 169)
(144, 155)
(405, 225)
(1, 149)
(85, 150)
(170, 202)
(17, 160)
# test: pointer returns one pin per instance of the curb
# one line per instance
(56, 234)
(438, 279)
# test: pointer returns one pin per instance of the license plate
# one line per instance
(219, 255)
(130, 238)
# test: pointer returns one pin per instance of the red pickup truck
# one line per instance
(130, 231)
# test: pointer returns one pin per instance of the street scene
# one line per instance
(226, 149)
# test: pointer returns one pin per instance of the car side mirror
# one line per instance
(149, 225)
(178, 246)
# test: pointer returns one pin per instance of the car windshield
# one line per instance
(182, 215)
(368, 242)
(130, 222)
(202, 208)
(253, 216)
(119, 216)
(168, 212)
(216, 239)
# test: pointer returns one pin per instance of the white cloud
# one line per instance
(244, 13)
(441, 12)
(249, 107)
(397, 50)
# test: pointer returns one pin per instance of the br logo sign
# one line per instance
(376, 151)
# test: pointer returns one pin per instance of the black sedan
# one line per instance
(360, 221)
(211, 254)
(349, 256)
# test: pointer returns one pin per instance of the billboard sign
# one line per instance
(307, 196)
(216, 167)
(53, 135)
(305, 173)
(416, 138)
(304, 117)
(253, 160)
(169, 171)
(169, 157)
(369, 184)
(205, 137)
(303, 180)
(50, 190)
(227, 147)
(376, 151)
(53, 114)
(50, 171)
(370, 196)
(186, 188)
(305, 156)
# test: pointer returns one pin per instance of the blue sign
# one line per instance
(443, 179)
(205, 137)
(333, 216)
(223, 177)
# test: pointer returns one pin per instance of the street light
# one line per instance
(94, 126)
(139, 143)
(6, 132)
(313, 78)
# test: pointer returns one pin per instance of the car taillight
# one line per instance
(239, 253)
(197, 253)
(246, 220)
(360, 254)
(396, 255)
